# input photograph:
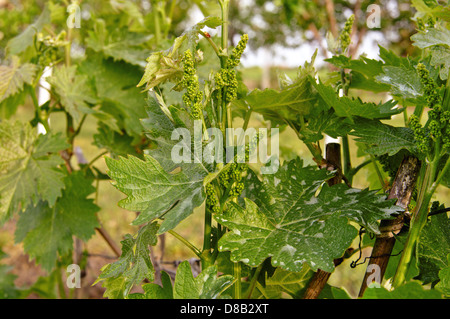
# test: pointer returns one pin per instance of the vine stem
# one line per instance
(347, 165)
(402, 189)
(61, 290)
(377, 170)
(188, 244)
(224, 4)
(211, 42)
(237, 285)
(108, 239)
(315, 150)
(426, 191)
(253, 282)
(95, 159)
(36, 106)
(207, 231)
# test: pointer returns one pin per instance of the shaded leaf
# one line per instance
(74, 91)
(47, 231)
(119, 44)
(29, 167)
(350, 108)
(205, 286)
(444, 276)
(410, 290)
(134, 264)
(285, 282)
(433, 247)
(25, 40)
(14, 76)
(115, 86)
(155, 291)
(382, 138)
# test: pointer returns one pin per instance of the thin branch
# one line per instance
(194, 249)
(402, 189)
(111, 243)
(329, 6)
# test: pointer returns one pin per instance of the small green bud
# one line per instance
(345, 36)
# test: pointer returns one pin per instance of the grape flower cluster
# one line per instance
(231, 178)
(193, 96)
(226, 76)
(438, 125)
(345, 36)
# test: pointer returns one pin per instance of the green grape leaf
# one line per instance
(296, 98)
(441, 57)
(275, 105)
(285, 282)
(74, 91)
(29, 167)
(120, 45)
(8, 289)
(25, 40)
(444, 276)
(115, 287)
(8, 107)
(330, 292)
(363, 72)
(160, 123)
(154, 192)
(46, 287)
(404, 82)
(383, 138)
(14, 76)
(433, 247)
(350, 108)
(115, 84)
(167, 190)
(410, 290)
(47, 231)
(192, 33)
(165, 66)
(115, 143)
(134, 264)
(324, 122)
(155, 291)
(431, 37)
(205, 286)
(283, 219)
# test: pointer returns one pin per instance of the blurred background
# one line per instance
(283, 35)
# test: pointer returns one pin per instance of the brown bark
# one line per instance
(320, 278)
(329, 6)
(402, 189)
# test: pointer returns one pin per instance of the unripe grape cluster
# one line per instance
(193, 96)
